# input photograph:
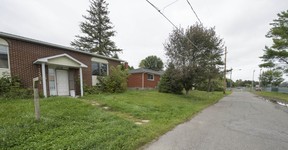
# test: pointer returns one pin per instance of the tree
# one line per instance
(171, 81)
(97, 31)
(272, 77)
(152, 62)
(277, 53)
(196, 53)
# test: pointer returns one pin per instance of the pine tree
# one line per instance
(171, 81)
(278, 52)
(97, 31)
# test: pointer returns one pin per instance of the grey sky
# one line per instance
(141, 30)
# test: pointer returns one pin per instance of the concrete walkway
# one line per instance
(240, 121)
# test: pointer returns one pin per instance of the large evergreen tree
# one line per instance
(278, 52)
(171, 81)
(97, 31)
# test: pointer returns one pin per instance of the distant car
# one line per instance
(258, 89)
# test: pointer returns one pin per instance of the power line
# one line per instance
(169, 5)
(194, 11)
(162, 14)
(172, 24)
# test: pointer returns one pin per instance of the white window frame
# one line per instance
(151, 75)
(100, 65)
(100, 61)
(5, 70)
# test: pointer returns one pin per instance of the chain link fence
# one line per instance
(276, 89)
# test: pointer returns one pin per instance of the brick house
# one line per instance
(144, 78)
(60, 70)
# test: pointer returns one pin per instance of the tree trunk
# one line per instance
(209, 85)
(186, 91)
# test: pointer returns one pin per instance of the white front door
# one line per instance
(62, 82)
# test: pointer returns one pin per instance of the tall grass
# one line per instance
(104, 121)
(273, 95)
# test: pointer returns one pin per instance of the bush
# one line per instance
(216, 85)
(170, 81)
(116, 82)
(10, 88)
(92, 90)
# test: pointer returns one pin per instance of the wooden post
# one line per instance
(36, 104)
(36, 98)
(224, 82)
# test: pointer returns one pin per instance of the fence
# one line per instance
(276, 89)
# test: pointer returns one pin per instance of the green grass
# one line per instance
(273, 95)
(68, 123)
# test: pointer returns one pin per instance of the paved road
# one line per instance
(240, 121)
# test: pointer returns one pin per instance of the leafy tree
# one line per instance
(97, 31)
(284, 84)
(196, 54)
(245, 83)
(279, 34)
(171, 81)
(152, 62)
(272, 77)
(130, 68)
(116, 82)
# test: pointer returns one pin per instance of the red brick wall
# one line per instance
(22, 54)
(113, 63)
(135, 81)
(151, 83)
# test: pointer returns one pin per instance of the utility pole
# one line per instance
(253, 80)
(224, 82)
(260, 79)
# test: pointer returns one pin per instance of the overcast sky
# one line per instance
(141, 30)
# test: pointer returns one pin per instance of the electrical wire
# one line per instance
(194, 11)
(172, 24)
(169, 5)
(162, 14)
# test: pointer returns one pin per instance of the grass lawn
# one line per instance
(104, 121)
(273, 95)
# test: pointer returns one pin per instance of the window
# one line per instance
(150, 77)
(103, 70)
(3, 56)
(99, 69)
(95, 68)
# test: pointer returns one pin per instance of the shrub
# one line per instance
(116, 82)
(10, 88)
(92, 90)
(170, 81)
(216, 85)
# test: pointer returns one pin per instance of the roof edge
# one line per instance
(13, 36)
(143, 70)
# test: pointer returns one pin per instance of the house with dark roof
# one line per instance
(144, 78)
(59, 70)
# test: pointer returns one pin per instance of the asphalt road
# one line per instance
(240, 121)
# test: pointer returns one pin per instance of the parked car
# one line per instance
(258, 88)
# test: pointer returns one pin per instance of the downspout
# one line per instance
(143, 80)
(44, 80)
(81, 81)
